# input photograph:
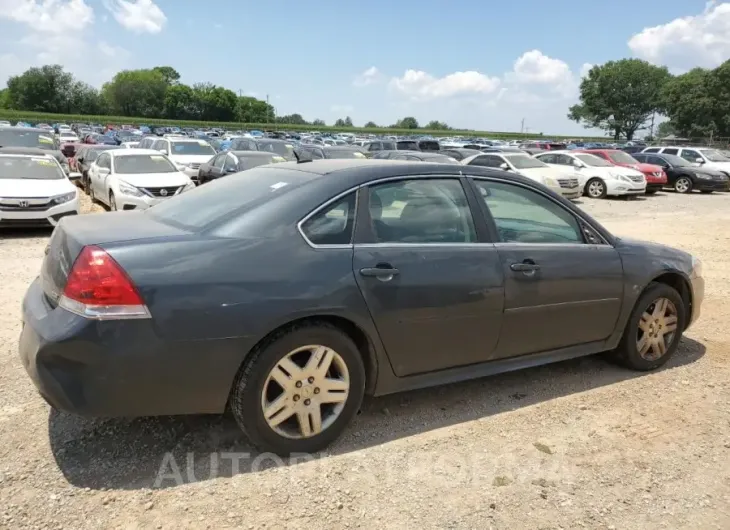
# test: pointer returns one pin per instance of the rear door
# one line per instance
(432, 283)
(563, 282)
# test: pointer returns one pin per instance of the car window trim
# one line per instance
(493, 225)
(318, 209)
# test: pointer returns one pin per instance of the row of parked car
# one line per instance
(154, 168)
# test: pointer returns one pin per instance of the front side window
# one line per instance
(593, 160)
(332, 225)
(421, 211)
(525, 216)
(103, 161)
(487, 161)
(690, 155)
(548, 159)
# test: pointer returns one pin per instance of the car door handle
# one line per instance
(381, 272)
(527, 266)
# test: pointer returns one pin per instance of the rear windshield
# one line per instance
(244, 144)
(240, 192)
(408, 146)
(429, 145)
(200, 147)
(29, 168)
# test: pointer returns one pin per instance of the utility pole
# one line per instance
(522, 126)
(268, 110)
(651, 131)
(240, 119)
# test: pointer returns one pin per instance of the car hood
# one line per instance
(186, 159)
(28, 188)
(645, 168)
(705, 171)
(725, 166)
(144, 180)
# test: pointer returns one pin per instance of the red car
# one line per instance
(656, 179)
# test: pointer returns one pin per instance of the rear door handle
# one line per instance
(527, 267)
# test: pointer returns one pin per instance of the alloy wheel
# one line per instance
(595, 189)
(305, 392)
(682, 185)
(657, 328)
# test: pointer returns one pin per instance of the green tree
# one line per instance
(408, 122)
(252, 110)
(4, 99)
(85, 99)
(436, 125)
(620, 96)
(319, 123)
(689, 104)
(371, 125)
(348, 122)
(43, 89)
(136, 93)
(665, 129)
(171, 76)
(340, 123)
(292, 119)
(179, 103)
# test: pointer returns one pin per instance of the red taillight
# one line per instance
(97, 287)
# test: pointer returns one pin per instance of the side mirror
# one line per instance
(504, 166)
(700, 160)
(577, 164)
(163, 151)
(104, 171)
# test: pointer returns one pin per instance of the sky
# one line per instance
(485, 66)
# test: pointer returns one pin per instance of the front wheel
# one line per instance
(596, 188)
(298, 393)
(654, 329)
(683, 185)
(112, 202)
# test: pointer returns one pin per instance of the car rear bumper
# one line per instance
(49, 217)
(121, 368)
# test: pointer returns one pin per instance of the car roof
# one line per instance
(26, 129)
(338, 147)
(128, 152)
(26, 155)
(249, 153)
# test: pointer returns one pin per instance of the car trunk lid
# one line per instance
(73, 233)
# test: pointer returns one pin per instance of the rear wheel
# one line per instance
(298, 392)
(596, 188)
(654, 329)
(683, 185)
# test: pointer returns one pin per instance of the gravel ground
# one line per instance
(579, 444)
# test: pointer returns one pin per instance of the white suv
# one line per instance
(186, 153)
(706, 157)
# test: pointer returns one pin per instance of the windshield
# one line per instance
(244, 144)
(200, 147)
(622, 158)
(30, 168)
(343, 153)
(15, 138)
(136, 164)
(280, 148)
(524, 161)
(714, 156)
(593, 160)
(389, 146)
(676, 160)
(240, 192)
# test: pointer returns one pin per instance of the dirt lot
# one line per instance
(580, 444)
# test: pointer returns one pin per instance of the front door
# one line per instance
(433, 290)
(563, 284)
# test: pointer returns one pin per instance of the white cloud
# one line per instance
(686, 42)
(139, 16)
(585, 69)
(420, 86)
(55, 32)
(369, 77)
(535, 67)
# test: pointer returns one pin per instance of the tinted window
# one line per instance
(407, 145)
(652, 150)
(22, 138)
(104, 161)
(421, 211)
(429, 145)
(525, 216)
(654, 160)
(240, 193)
(671, 151)
(548, 159)
(389, 146)
(332, 225)
(487, 161)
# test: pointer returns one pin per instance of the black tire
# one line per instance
(112, 202)
(706, 191)
(245, 398)
(627, 353)
(597, 184)
(680, 188)
(92, 197)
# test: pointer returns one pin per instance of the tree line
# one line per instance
(627, 96)
(152, 93)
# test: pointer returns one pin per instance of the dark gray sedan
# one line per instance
(289, 291)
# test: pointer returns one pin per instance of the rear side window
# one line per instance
(332, 225)
(652, 150)
(239, 193)
(670, 151)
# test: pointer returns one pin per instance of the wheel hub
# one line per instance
(656, 330)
